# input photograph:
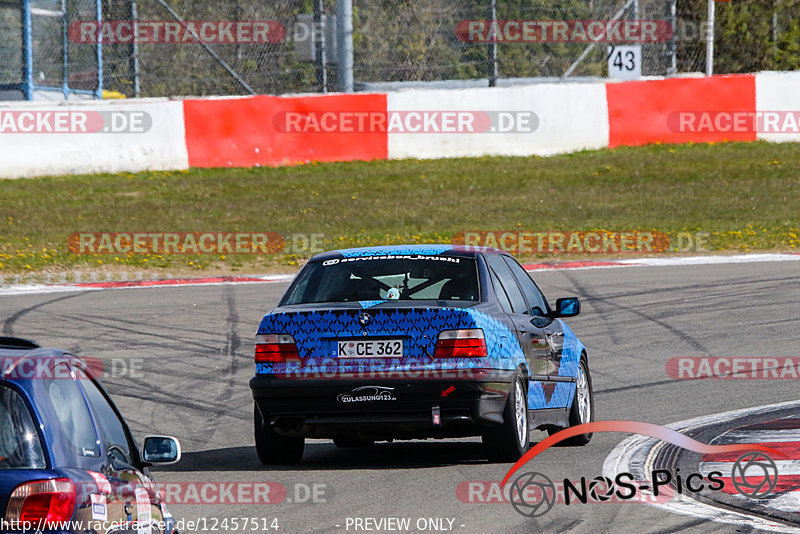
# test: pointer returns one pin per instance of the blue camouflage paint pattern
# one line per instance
(423, 250)
(315, 333)
(564, 391)
(370, 303)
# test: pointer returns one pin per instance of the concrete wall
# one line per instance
(82, 139)
(274, 131)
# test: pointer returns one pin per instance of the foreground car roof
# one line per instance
(10, 358)
(421, 250)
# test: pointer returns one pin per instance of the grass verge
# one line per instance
(746, 196)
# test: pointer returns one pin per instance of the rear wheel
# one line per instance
(272, 448)
(582, 409)
(509, 441)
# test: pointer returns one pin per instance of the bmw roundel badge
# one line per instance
(364, 319)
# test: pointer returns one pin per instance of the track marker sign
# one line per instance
(625, 62)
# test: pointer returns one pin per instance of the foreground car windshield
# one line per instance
(19, 442)
(368, 278)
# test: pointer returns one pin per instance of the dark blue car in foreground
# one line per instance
(415, 342)
(68, 462)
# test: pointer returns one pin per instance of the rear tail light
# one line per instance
(276, 348)
(467, 343)
(42, 502)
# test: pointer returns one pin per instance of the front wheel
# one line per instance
(510, 440)
(582, 409)
(272, 448)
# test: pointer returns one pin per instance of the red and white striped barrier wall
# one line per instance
(644, 112)
(779, 91)
(274, 131)
(569, 116)
(44, 138)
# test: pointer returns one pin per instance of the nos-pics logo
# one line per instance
(754, 474)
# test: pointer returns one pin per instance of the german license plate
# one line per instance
(375, 348)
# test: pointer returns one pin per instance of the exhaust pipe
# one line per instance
(289, 424)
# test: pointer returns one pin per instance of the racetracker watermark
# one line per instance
(428, 121)
(194, 243)
(201, 524)
(171, 32)
(564, 31)
(332, 370)
(62, 367)
(74, 122)
(724, 122)
(208, 493)
(735, 368)
(584, 242)
(595, 490)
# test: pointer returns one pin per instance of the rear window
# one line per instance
(20, 447)
(385, 278)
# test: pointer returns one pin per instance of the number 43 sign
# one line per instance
(625, 62)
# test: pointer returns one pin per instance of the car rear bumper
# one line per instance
(383, 407)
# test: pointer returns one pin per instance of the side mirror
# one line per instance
(540, 318)
(161, 450)
(568, 307)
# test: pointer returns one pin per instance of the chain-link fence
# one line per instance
(11, 57)
(35, 56)
(188, 47)
(393, 41)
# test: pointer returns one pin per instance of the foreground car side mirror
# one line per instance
(567, 307)
(163, 450)
(540, 318)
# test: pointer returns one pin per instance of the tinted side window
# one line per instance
(502, 298)
(72, 413)
(110, 424)
(507, 280)
(20, 447)
(532, 293)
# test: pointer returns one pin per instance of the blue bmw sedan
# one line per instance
(415, 342)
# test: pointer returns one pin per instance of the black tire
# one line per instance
(507, 442)
(274, 449)
(353, 443)
(576, 416)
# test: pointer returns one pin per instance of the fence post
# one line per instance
(320, 21)
(64, 51)
(710, 40)
(134, 62)
(99, 52)
(27, 45)
(493, 45)
(99, 13)
(344, 35)
(672, 45)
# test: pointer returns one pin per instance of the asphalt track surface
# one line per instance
(192, 348)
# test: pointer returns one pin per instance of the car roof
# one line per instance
(24, 349)
(17, 343)
(417, 250)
